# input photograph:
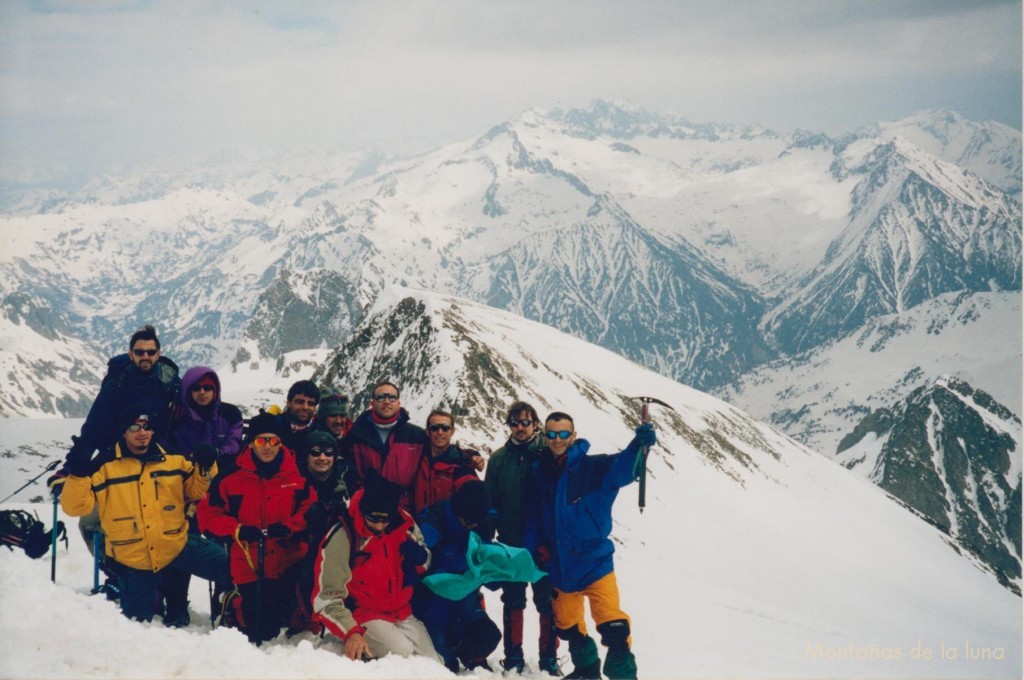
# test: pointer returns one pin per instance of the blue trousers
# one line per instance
(459, 629)
(200, 557)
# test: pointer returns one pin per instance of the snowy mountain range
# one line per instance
(756, 557)
(808, 280)
(701, 251)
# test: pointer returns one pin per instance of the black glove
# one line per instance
(56, 483)
(249, 533)
(205, 455)
(413, 555)
(79, 459)
(278, 531)
(316, 520)
(645, 436)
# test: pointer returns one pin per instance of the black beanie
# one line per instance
(317, 438)
(136, 412)
(264, 423)
(379, 496)
(472, 502)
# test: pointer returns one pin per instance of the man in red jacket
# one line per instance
(384, 440)
(446, 466)
(364, 573)
(263, 502)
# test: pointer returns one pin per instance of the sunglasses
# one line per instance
(526, 422)
(438, 427)
(145, 352)
(377, 517)
(560, 434)
(316, 452)
(266, 441)
(204, 387)
(385, 397)
(135, 427)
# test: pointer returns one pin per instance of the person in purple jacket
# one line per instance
(207, 423)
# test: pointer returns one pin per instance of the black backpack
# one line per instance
(18, 529)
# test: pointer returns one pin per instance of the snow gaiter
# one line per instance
(547, 642)
(512, 624)
(619, 663)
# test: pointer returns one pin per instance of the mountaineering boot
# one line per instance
(512, 637)
(547, 645)
(619, 662)
(550, 666)
(583, 651)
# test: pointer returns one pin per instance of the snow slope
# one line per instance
(755, 557)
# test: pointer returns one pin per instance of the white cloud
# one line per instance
(141, 79)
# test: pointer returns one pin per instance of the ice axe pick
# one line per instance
(645, 417)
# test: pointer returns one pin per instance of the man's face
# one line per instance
(320, 459)
(560, 429)
(336, 424)
(138, 436)
(523, 426)
(440, 428)
(144, 355)
(301, 408)
(385, 402)
(266, 446)
(203, 392)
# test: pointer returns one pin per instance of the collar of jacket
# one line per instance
(571, 458)
(246, 460)
(366, 429)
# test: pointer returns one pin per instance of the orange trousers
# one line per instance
(603, 595)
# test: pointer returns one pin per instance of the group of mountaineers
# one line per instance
(371, 529)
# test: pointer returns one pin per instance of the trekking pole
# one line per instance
(645, 417)
(48, 468)
(96, 563)
(53, 542)
(261, 553)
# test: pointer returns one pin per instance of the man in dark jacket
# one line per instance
(460, 629)
(506, 481)
(567, 530)
(141, 375)
(383, 439)
(299, 415)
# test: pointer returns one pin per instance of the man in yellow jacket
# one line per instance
(141, 491)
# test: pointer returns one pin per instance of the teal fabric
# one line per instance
(488, 562)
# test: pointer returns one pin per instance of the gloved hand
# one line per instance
(645, 436)
(278, 531)
(79, 459)
(56, 483)
(316, 520)
(205, 455)
(249, 533)
(413, 555)
(543, 556)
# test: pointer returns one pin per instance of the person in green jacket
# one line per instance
(506, 481)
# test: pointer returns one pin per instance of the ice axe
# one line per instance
(645, 417)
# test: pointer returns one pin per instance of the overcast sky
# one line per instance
(97, 83)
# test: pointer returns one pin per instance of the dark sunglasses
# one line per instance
(145, 352)
(385, 397)
(560, 434)
(378, 517)
(266, 441)
(526, 422)
(316, 452)
(438, 427)
(135, 427)
(204, 387)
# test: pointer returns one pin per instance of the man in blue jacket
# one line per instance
(567, 530)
